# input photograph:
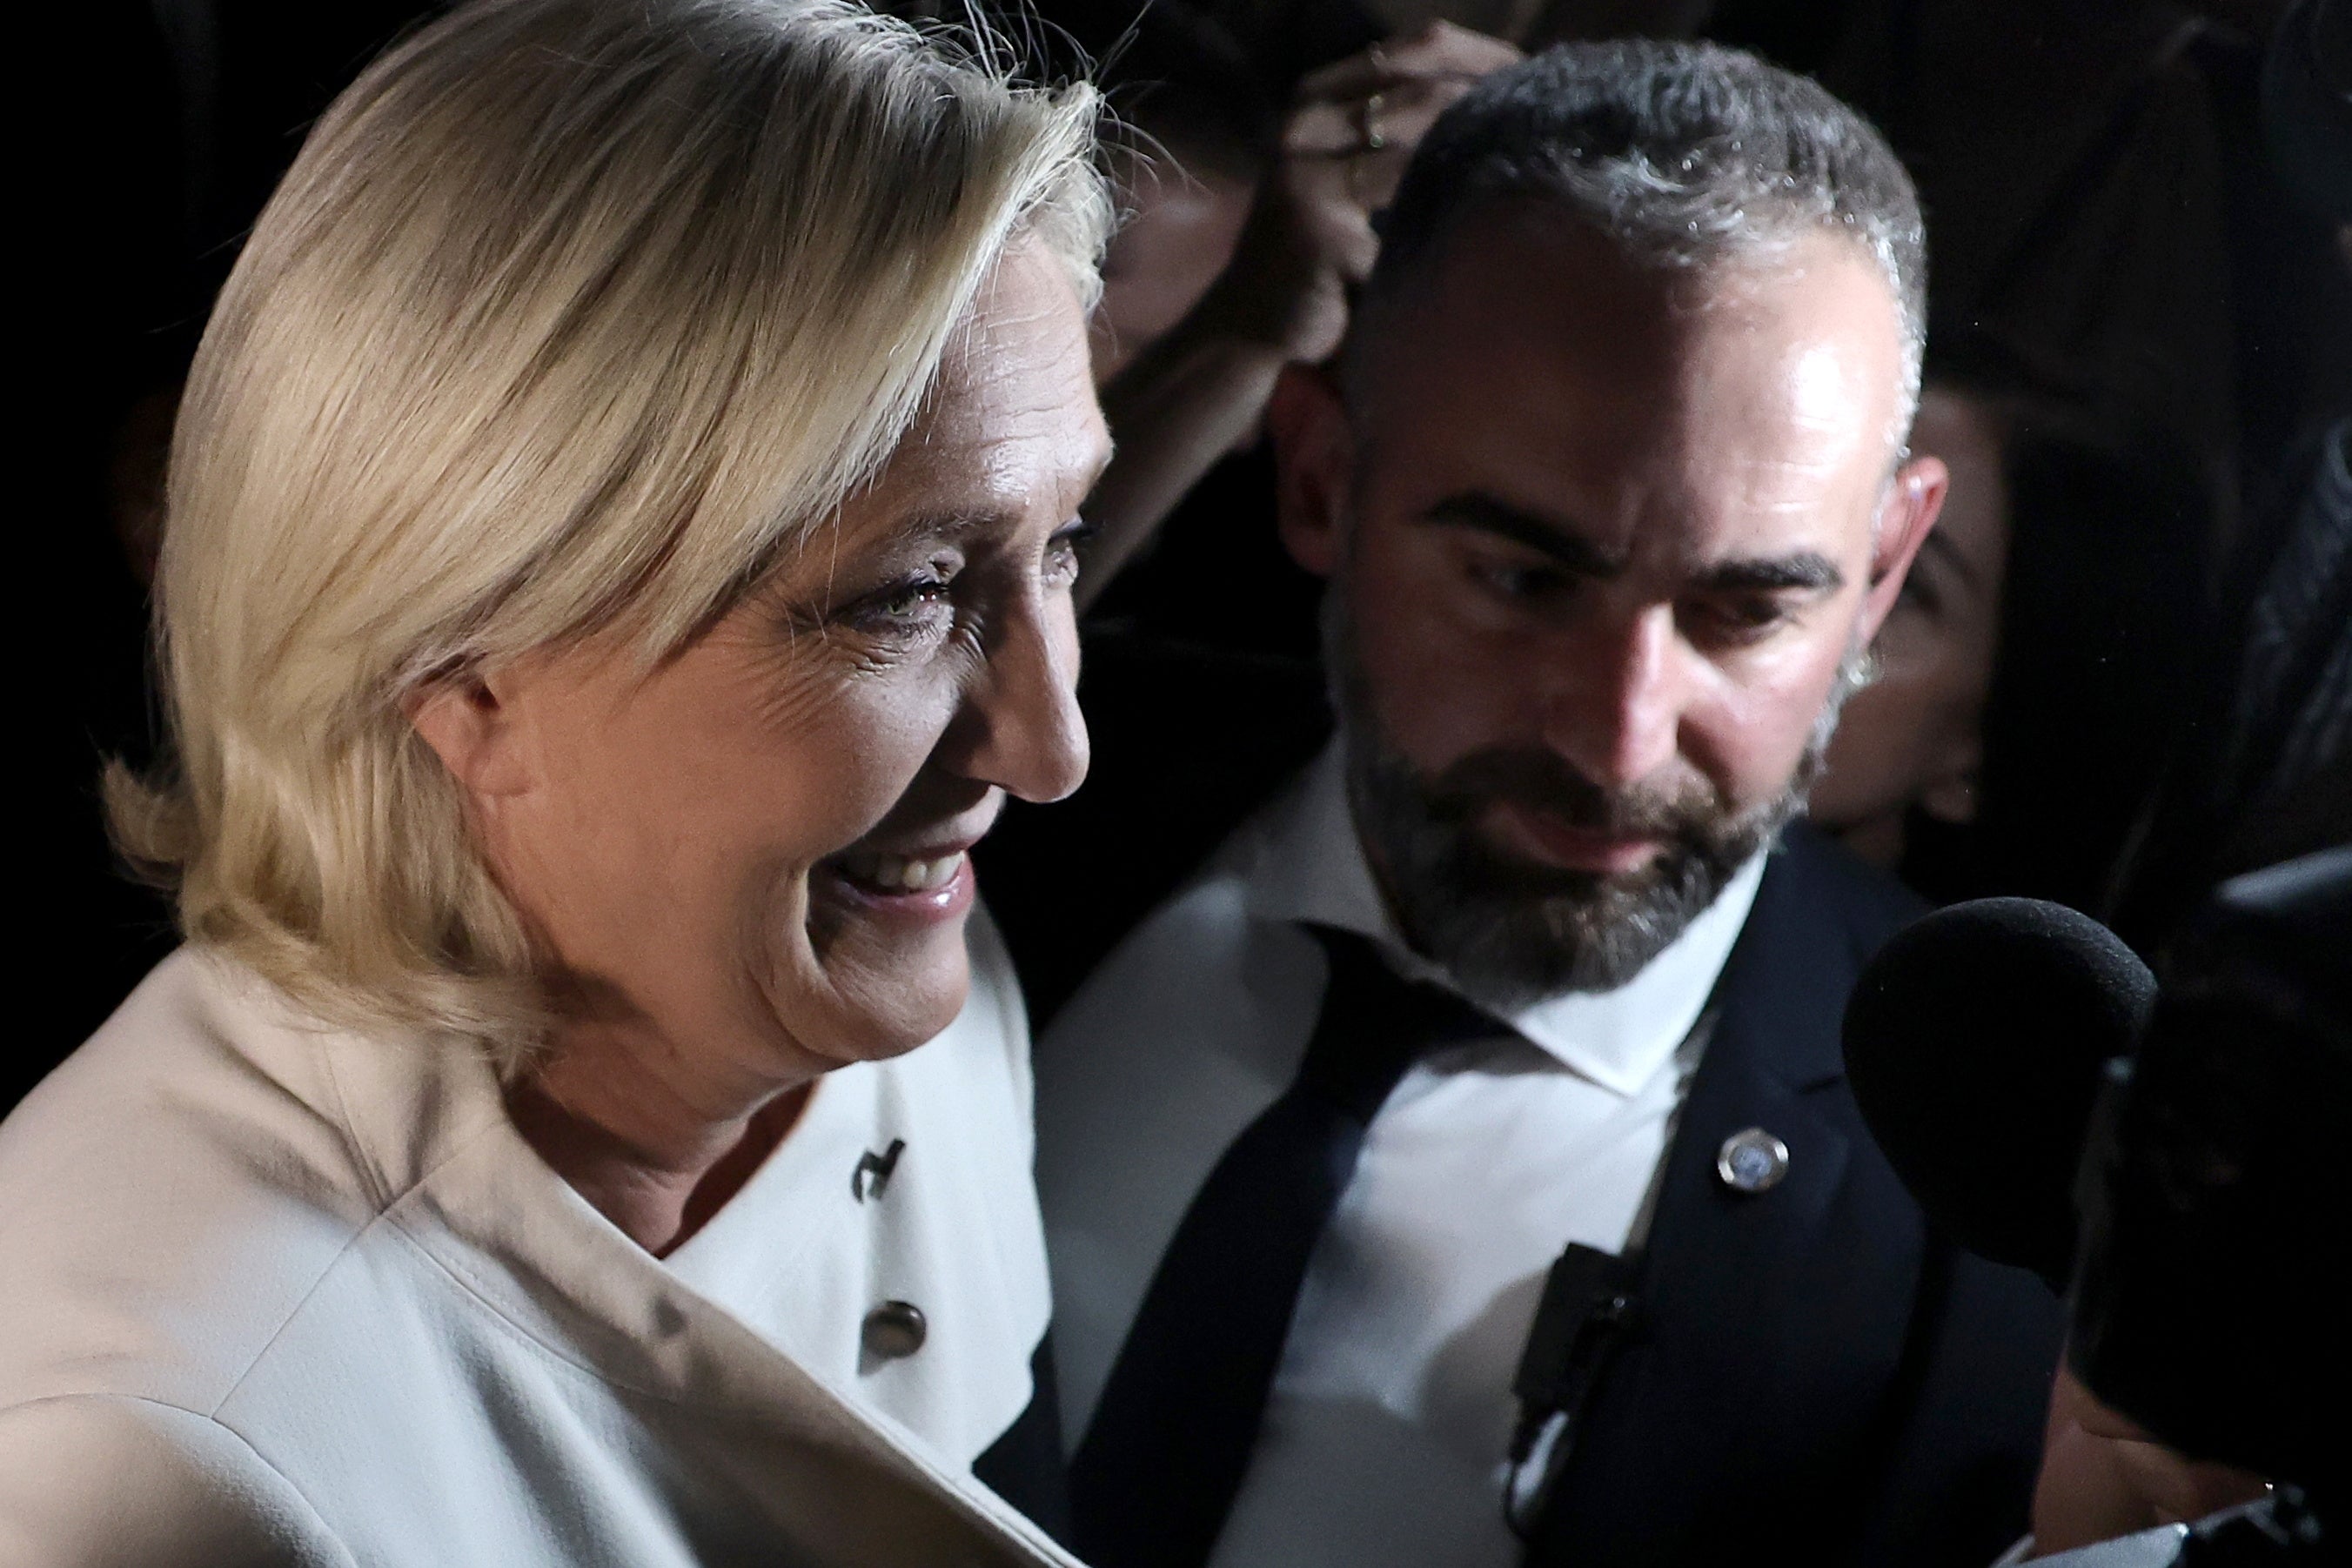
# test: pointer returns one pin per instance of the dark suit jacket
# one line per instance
(1816, 1376)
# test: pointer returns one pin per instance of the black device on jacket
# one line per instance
(1816, 1374)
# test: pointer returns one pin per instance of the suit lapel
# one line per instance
(1771, 1322)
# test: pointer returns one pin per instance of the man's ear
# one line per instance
(1914, 498)
(471, 725)
(1315, 462)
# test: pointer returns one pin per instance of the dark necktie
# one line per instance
(1161, 1461)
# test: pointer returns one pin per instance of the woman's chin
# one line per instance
(892, 978)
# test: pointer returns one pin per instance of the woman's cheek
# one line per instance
(876, 735)
(835, 732)
(902, 716)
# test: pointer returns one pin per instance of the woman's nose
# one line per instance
(1023, 731)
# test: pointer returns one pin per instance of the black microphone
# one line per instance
(1975, 1042)
(2020, 1069)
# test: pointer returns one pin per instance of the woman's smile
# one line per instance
(899, 878)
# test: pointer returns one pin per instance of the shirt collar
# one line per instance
(1306, 864)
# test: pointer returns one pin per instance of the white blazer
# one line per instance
(272, 1293)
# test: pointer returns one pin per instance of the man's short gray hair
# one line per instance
(1686, 154)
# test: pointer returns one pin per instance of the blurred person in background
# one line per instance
(2097, 169)
(2154, 698)
(2264, 771)
(617, 560)
(1200, 131)
(2027, 697)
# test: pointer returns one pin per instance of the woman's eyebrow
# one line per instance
(986, 513)
(954, 525)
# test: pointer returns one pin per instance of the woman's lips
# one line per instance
(1544, 837)
(935, 884)
(902, 873)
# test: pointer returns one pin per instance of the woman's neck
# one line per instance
(655, 1156)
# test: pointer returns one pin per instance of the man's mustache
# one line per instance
(1540, 781)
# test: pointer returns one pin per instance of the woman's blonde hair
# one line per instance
(571, 318)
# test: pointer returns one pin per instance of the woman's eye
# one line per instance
(1918, 593)
(909, 606)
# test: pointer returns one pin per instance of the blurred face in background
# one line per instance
(1604, 540)
(1913, 737)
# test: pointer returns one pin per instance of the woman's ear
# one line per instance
(1314, 454)
(1951, 796)
(472, 727)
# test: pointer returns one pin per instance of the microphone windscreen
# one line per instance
(1974, 1044)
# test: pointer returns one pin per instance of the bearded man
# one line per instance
(1459, 1169)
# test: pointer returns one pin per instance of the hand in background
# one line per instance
(1200, 390)
(1350, 132)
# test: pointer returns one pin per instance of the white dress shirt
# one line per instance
(1385, 1432)
(273, 1292)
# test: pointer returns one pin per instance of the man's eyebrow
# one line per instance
(1546, 536)
(1806, 569)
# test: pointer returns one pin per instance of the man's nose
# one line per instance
(1022, 727)
(1615, 713)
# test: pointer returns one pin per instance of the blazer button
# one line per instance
(893, 1330)
(1752, 1162)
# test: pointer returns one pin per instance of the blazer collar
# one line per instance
(1784, 988)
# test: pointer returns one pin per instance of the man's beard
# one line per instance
(1510, 931)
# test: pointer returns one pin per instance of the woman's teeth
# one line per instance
(904, 874)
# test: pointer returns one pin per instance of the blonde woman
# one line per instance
(618, 561)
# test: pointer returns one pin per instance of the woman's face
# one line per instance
(1913, 737)
(755, 857)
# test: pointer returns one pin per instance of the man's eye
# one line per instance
(1518, 579)
(1738, 620)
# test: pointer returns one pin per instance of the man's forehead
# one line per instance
(1530, 284)
(1537, 357)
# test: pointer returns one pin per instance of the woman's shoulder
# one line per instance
(169, 1193)
(91, 1480)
